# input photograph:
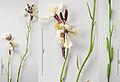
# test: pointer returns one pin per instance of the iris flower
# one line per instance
(10, 41)
(63, 30)
(11, 45)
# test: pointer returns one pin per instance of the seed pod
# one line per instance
(66, 14)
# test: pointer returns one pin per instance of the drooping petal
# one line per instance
(74, 31)
(58, 32)
(11, 44)
(60, 38)
(68, 42)
(62, 42)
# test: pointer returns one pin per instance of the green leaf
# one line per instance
(89, 11)
(77, 62)
(108, 70)
(111, 54)
(107, 43)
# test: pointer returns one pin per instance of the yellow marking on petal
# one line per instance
(57, 26)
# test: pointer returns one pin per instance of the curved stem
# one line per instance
(23, 57)
(63, 67)
(91, 41)
(83, 66)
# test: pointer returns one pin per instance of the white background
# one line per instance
(12, 21)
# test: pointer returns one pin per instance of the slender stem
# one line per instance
(83, 66)
(63, 67)
(110, 38)
(23, 57)
(91, 43)
(9, 62)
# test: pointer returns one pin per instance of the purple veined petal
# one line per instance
(61, 16)
(9, 37)
(66, 14)
(57, 18)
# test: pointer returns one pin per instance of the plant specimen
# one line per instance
(110, 48)
(31, 11)
(92, 16)
(11, 44)
(63, 31)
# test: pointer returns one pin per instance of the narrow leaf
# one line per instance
(107, 43)
(77, 62)
(89, 11)
(112, 29)
(111, 54)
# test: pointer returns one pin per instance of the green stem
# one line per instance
(91, 43)
(110, 38)
(23, 57)
(9, 62)
(63, 67)
(83, 66)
